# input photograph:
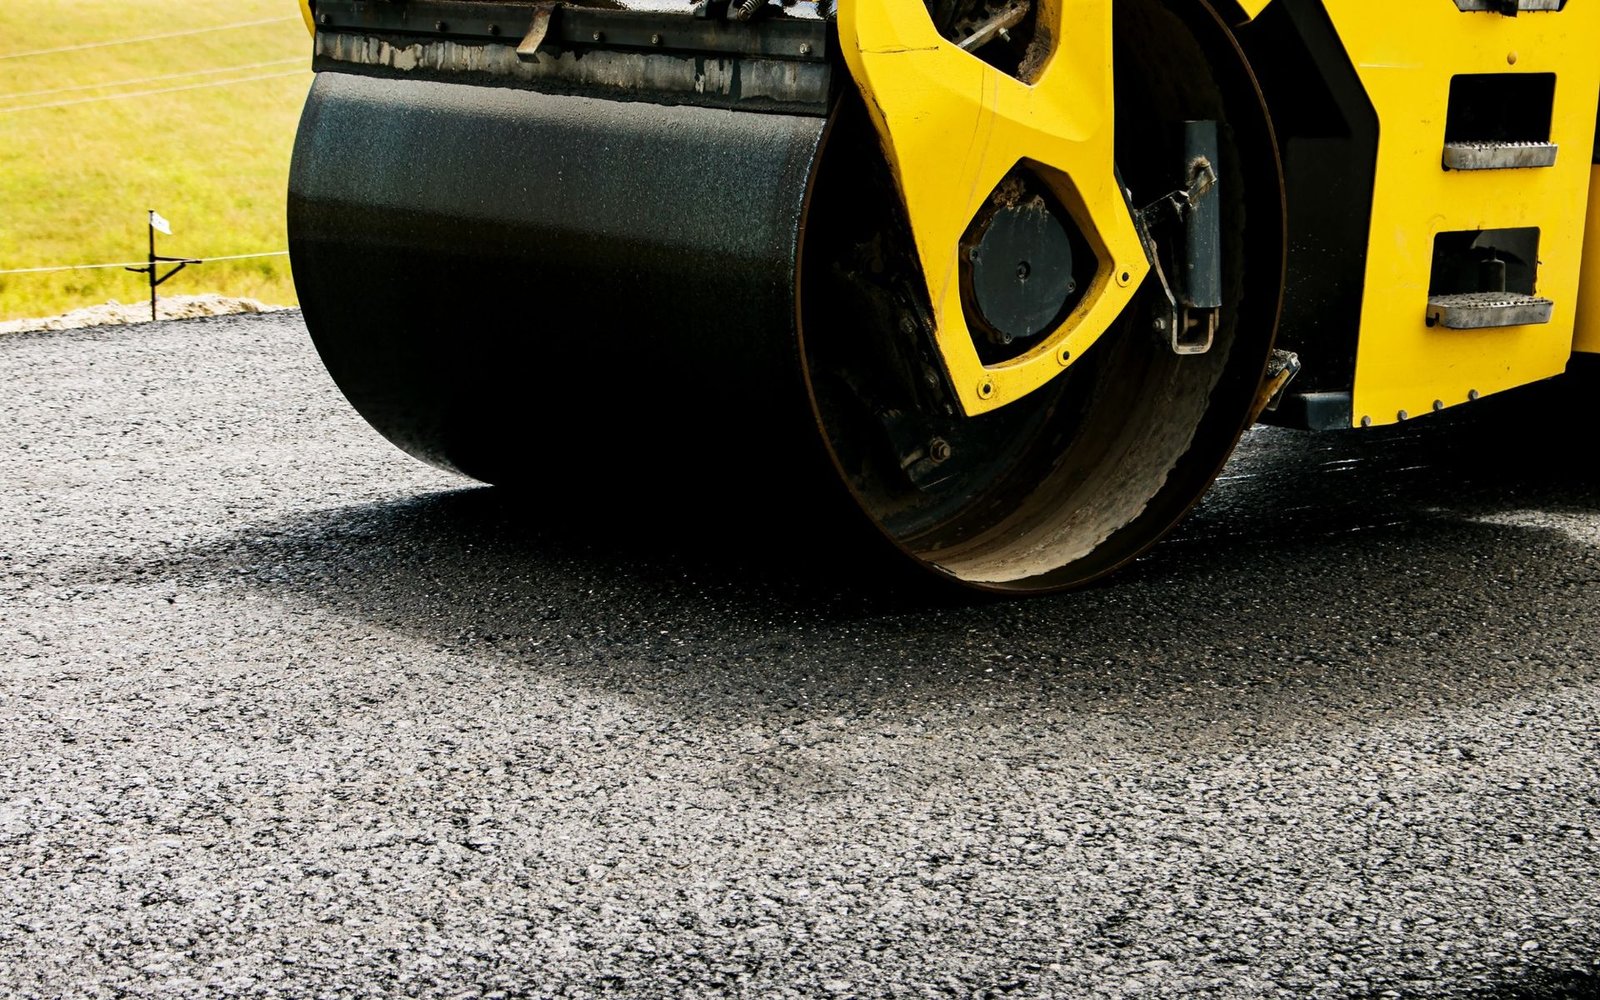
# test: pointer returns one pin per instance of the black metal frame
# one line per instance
(777, 37)
(1327, 130)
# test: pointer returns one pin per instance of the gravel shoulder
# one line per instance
(116, 313)
(284, 713)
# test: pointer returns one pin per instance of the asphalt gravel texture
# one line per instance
(284, 713)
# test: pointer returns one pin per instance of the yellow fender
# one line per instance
(1587, 336)
(952, 127)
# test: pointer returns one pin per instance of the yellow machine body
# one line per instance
(1406, 55)
(922, 91)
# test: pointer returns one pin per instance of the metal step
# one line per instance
(1482, 310)
(1512, 7)
(1498, 155)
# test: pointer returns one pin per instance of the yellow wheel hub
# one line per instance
(954, 126)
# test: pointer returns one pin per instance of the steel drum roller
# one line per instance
(572, 292)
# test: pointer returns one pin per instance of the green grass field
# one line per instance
(76, 179)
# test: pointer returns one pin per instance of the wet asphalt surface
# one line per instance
(284, 713)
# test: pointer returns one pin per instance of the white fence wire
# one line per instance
(140, 81)
(137, 263)
(147, 38)
(149, 93)
(137, 81)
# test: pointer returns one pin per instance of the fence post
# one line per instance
(155, 221)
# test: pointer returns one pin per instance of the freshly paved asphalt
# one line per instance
(284, 713)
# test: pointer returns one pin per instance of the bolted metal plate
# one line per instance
(1022, 271)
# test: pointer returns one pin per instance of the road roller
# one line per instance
(999, 282)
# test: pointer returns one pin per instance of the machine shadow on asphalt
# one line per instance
(1372, 567)
(1343, 717)
(1539, 985)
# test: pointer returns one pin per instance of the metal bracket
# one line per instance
(1185, 330)
(1194, 299)
(537, 31)
(997, 26)
(1282, 367)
